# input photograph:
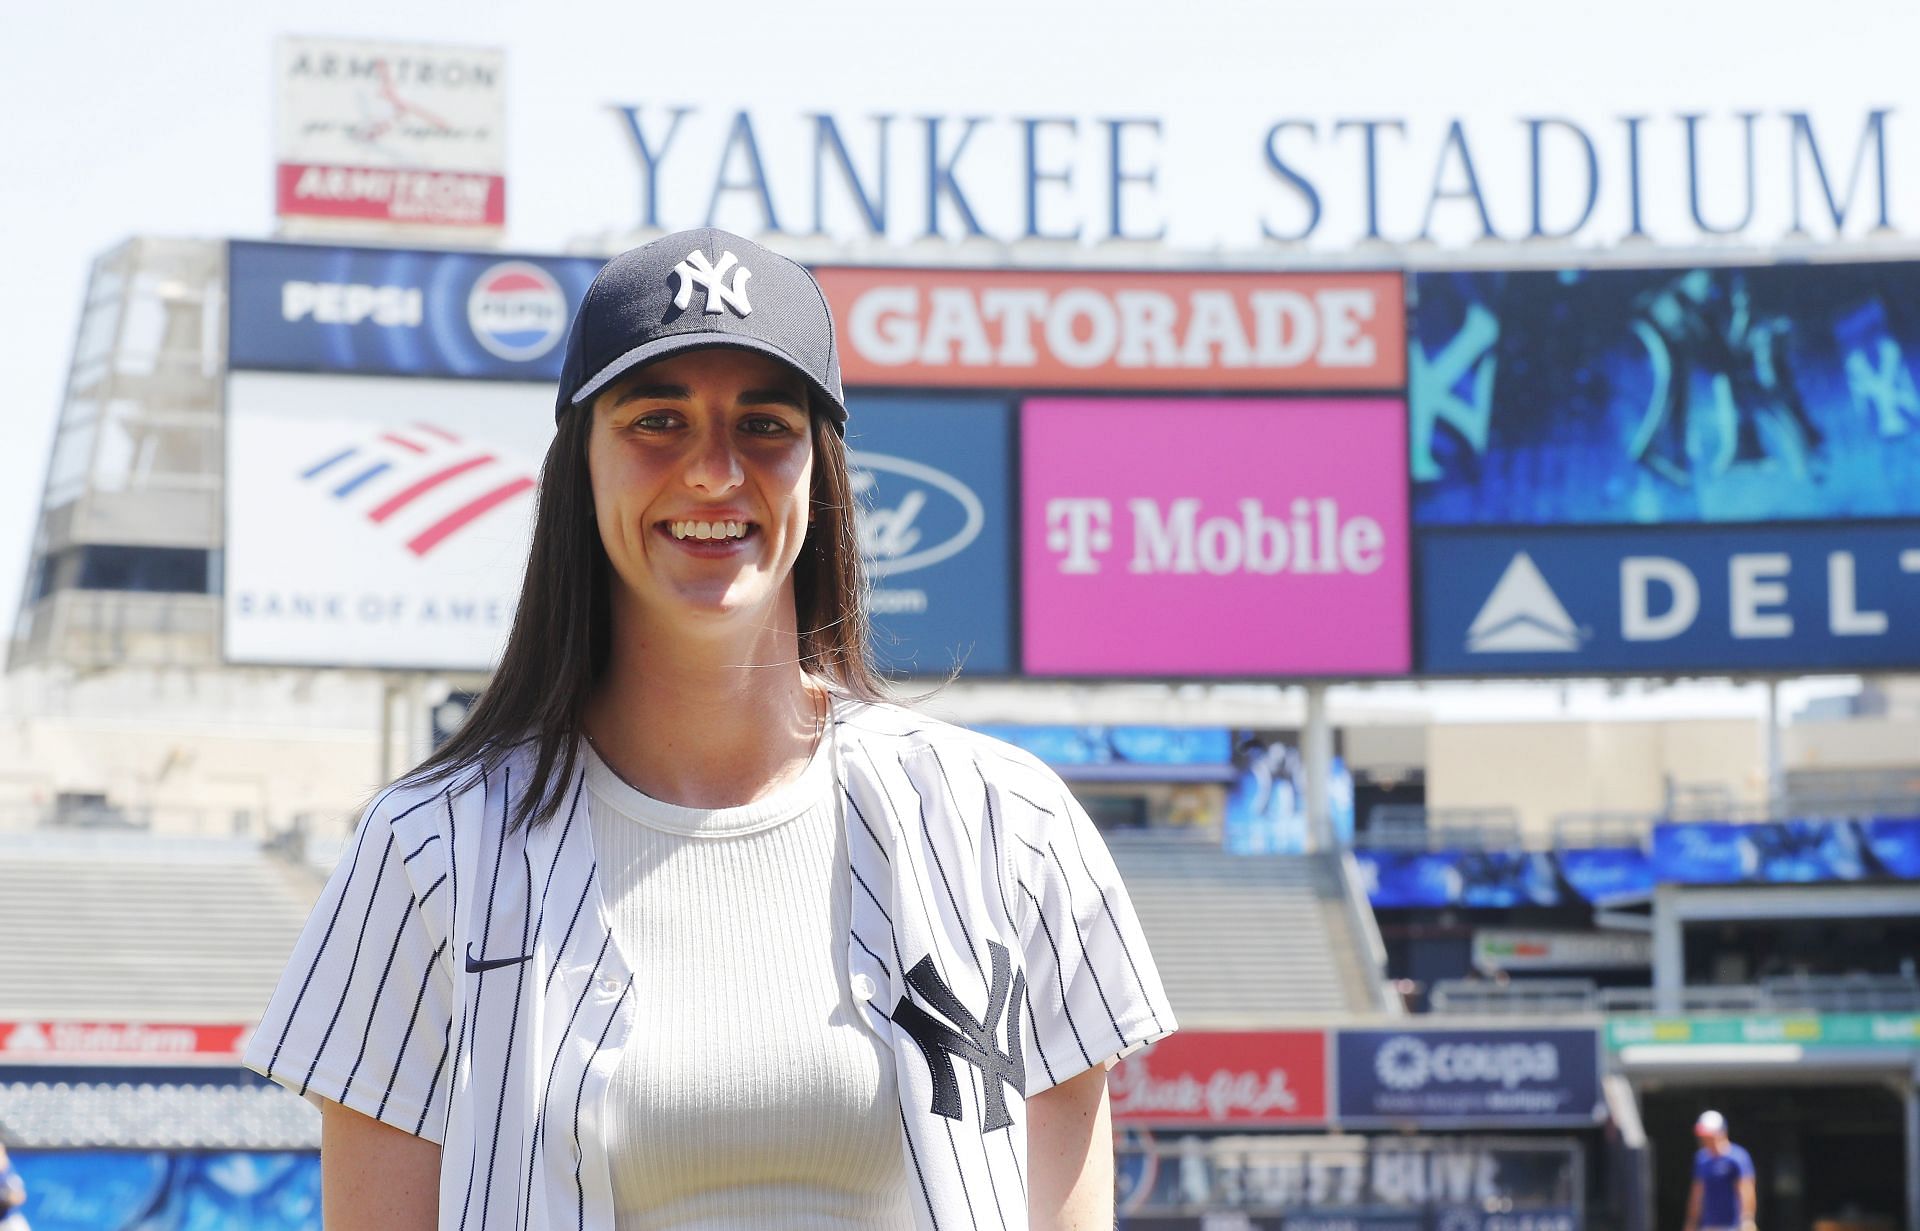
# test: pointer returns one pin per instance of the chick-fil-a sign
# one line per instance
(1214, 538)
(1225, 1077)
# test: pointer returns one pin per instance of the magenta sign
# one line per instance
(1215, 538)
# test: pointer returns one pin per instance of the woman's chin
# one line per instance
(706, 606)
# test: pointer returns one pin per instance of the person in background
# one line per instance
(13, 1195)
(1722, 1198)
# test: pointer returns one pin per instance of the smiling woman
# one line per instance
(702, 470)
(687, 926)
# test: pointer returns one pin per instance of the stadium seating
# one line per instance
(133, 928)
(144, 1115)
(1248, 942)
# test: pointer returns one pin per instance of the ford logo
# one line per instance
(919, 519)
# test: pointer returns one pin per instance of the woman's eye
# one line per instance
(654, 421)
(765, 425)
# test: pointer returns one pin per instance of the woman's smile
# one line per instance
(710, 538)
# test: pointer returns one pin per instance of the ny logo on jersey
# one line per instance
(712, 278)
(974, 1040)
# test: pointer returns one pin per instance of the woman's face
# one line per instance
(702, 466)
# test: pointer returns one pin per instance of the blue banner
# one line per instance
(1463, 878)
(1602, 397)
(1467, 1078)
(1894, 843)
(1780, 598)
(1149, 748)
(932, 478)
(145, 1190)
(1440, 1218)
(1786, 852)
(395, 312)
(1602, 874)
(1266, 809)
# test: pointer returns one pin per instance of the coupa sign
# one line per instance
(1467, 1077)
(932, 494)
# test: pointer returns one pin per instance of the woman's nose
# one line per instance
(714, 464)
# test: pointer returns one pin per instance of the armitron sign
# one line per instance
(391, 133)
(1097, 329)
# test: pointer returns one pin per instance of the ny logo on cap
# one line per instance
(711, 277)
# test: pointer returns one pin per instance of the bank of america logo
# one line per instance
(1523, 616)
(422, 482)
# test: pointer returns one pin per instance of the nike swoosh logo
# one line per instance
(476, 965)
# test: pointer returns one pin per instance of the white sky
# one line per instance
(127, 117)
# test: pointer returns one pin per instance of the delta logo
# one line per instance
(422, 483)
(1522, 615)
(517, 311)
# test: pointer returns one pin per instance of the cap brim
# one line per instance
(680, 343)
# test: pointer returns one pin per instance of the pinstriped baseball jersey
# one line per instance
(461, 981)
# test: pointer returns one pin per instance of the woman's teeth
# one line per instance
(709, 529)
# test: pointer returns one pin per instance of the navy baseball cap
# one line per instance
(697, 289)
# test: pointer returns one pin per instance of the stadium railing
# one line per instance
(1521, 998)
(1412, 827)
(1849, 993)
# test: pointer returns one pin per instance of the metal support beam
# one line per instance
(1669, 951)
(1776, 773)
(1317, 752)
(386, 730)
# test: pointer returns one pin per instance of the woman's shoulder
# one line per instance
(884, 727)
(464, 789)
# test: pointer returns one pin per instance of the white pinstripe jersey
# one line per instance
(461, 982)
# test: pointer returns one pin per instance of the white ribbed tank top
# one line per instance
(749, 1094)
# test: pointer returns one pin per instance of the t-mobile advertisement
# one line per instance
(1172, 537)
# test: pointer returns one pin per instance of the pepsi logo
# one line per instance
(517, 311)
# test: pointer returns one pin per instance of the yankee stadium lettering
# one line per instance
(972, 1039)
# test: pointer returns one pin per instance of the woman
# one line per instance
(686, 928)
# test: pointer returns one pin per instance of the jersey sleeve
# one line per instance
(1093, 992)
(362, 1011)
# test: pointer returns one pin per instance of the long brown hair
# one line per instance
(558, 646)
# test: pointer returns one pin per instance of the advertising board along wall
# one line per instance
(1225, 1078)
(1496, 1077)
(1653, 397)
(1187, 537)
(387, 413)
(934, 489)
(1094, 329)
(1667, 470)
(1782, 597)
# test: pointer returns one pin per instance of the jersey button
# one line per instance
(863, 988)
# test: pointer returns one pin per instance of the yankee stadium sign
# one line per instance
(1689, 176)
